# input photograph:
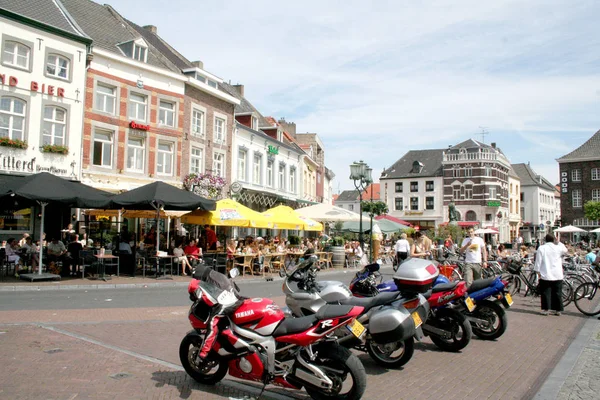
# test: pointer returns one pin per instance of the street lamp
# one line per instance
(360, 173)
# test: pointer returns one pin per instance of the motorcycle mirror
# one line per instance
(234, 272)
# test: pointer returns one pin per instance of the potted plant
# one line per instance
(16, 143)
(55, 148)
(339, 253)
(294, 240)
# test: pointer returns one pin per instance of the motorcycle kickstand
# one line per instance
(265, 383)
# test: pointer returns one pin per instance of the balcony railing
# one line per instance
(480, 155)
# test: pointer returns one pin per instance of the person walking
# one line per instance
(548, 265)
(402, 249)
(475, 256)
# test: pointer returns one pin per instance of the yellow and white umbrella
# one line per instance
(284, 217)
(228, 213)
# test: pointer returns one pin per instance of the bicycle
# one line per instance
(585, 296)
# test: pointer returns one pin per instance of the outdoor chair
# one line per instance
(276, 262)
(267, 264)
(351, 261)
(246, 264)
(329, 260)
(220, 263)
(322, 262)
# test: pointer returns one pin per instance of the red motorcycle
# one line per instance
(256, 342)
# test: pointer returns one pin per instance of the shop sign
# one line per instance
(141, 127)
(564, 186)
(495, 203)
(272, 149)
(14, 164)
(34, 86)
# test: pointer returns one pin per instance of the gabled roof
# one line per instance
(108, 29)
(529, 177)
(375, 188)
(470, 144)
(348, 195)
(431, 160)
(590, 150)
(46, 12)
(245, 107)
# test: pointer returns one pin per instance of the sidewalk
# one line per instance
(576, 374)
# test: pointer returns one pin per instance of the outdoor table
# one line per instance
(102, 259)
(167, 259)
(292, 258)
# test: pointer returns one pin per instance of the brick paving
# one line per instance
(513, 367)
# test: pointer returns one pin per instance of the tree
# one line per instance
(592, 210)
(375, 208)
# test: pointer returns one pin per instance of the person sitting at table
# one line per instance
(23, 239)
(230, 252)
(181, 258)
(150, 239)
(192, 251)
(57, 252)
(33, 252)
(281, 247)
(13, 254)
(72, 257)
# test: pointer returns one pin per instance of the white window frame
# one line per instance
(398, 185)
(49, 136)
(136, 150)
(401, 201)
(257, 169)
(161, 158)
(596, 174)
(469, 192)
(432, 203)
(219, 131)
(198, 122)
(109, 143)
(12, 116)
(254, 123)
(139, 53)
(196, 159)
(242, 165)
(576, 198)
(292, 179)
(468, 172)
(102, 98)
(57, 67)
(281, 177)
(576, 175)
(134, 106)
(165, 112)
(415, 207)
(270, 173)
(493, 192)
(15, 56)
(219, 164)
(595, 194)
(456, 192)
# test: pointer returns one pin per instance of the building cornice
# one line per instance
(138, 64)
(212, 91)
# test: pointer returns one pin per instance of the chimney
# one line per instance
(289, 127)
(494, 145)
(198, 64)
(240, 89)
(152, 29)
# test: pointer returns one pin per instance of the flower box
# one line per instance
(16, 143)
(205, 185)
(53, 148)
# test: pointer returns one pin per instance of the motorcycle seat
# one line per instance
(480, 284)
(444, 287)
(369, 302)
(332, 311)
(289, 326)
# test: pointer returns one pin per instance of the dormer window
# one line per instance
(136, 49)
(206, 80)
(417, 167)
(254, 123)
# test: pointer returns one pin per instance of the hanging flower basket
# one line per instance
(54, 148)
(205, 185)
(16, 143)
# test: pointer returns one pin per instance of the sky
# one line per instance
(377, 80)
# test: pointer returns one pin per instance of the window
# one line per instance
(12, 118)
(55, 123)
(576, 175)
(196, 157)
(488, 217)
(399, 204)
(596, 174)
(166, 113)
(468, 192)
(398, 187)
(254, 123)
(219, 130)
(429, 186)
(414, 203)
(456, 192)
(138, 106)
(292, 180)
(219, 164)
(135, 154)
(270, 173)
(595, 194)
(522, 196)
(164, 158)
(197, 122)
(351, 207)
(241, 165)
(281, 176)
(414, 186)
(492, 193)
(16, 54)
(106, 98)
(456, 172)
(57, 66)
(212, 83)
(103, 148)
(429, 203)
(139, 52)
(576, 198)
(487, 171)
(468, 172)
(471, 216)
(257, 169)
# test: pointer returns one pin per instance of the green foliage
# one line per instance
(294, 240)
(16, 143)
(592, 210)
(375, 208)
(338, 226)
(338, 241)
(55, 148)
(455, 231)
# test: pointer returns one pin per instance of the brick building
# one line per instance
(580, 182)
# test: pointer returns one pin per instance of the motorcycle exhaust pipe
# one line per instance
(312, 375)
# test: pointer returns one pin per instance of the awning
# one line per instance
(393, 219)
(463, 224)
(135, 213)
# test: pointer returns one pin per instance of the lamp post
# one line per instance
(360, 173)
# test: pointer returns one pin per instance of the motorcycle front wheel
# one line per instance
(456, 325)
(391, 355)
(339, 364)
(496, 317)
(205, 372)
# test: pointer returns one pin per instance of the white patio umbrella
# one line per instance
(597, 230)
(327, 212)
(569, 229)
(482, 231)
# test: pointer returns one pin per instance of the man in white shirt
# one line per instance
(548, 265)
(475, 256)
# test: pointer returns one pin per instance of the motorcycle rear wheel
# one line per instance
(495, 315)
(454, 322)
(208, 374)
(383, 354)
(335, 359)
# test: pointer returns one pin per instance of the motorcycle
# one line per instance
(256, 342)
(391, 327)
(447, 327)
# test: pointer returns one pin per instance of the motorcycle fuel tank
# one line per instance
(258, 314)
(333, 291)
(415, 275)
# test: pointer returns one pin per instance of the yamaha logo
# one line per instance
(244, 314)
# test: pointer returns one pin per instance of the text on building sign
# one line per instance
(34, 86)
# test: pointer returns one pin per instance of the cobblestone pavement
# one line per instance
(132, 354)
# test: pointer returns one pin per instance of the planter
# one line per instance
(14, 143)
(339, 256)
(51, 148)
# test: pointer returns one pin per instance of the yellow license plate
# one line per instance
(470, 304)
(417, 318)
(356, 328)
(509, 299)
